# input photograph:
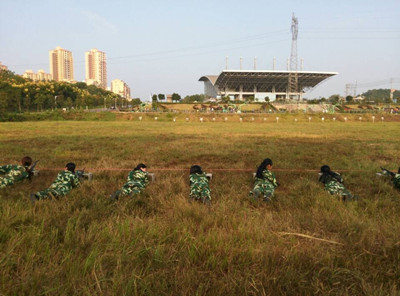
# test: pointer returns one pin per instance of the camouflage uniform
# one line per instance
(334, 184)
(199, 188)
(137, 181)
(265, 186)
(13, 173)
(63, 184)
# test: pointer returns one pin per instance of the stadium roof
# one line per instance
(265, 81)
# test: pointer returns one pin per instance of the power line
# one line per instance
(352, 88)
(244, 39)
(201, 53)
(350, 38)
(163, 52)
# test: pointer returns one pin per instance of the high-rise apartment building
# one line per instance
(96, 68)
(39, 76)
(119, 87)
(61, 64)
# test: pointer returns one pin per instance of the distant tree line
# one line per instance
(381, 95)
(18, 94)
(373, 95)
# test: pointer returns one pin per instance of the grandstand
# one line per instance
(259, 84)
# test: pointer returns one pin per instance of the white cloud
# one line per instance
(99, 22)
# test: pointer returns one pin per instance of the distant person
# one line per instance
(394, 177)
(65, 181)
(136, 182)
(334, 183)
(199, 187)
(265, 182)
(12, 173)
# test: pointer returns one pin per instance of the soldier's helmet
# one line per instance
(26, 161)
(70, 167)
(325, 169)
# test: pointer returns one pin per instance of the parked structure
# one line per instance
(260, 84)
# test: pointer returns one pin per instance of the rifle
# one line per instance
(31, 169)
(323, 177)
(82, 175)
(387, 172)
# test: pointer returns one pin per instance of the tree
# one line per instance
(349, 99)
(3, 101)
(81, 85)
(334, 99)
(154, 98)
(27, 103)
(266, 99)
(161, 97)
(40, 99)
(176, 97)
(20, 94)
(16, 96)
(136, 102)
(69, 103)
(193, 98)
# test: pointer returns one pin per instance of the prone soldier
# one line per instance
(264, 182)
(65, 181)
(15, 173)
(136, 182)
(199, 187)
(334, 183)
(394, 177)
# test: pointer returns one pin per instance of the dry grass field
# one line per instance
(305, 242)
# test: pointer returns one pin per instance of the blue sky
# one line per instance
(166, 46)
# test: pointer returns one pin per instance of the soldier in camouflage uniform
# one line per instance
(14, 173)
(199, 188)
(137, 181)
(334, 183)
(395, 177)
(265, 181)
(65, 181)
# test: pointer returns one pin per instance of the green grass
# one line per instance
(159, 244)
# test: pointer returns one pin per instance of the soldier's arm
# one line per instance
(19, 176)
(75, 181)
(130, 177)
(274, 182)
(270, 177)
(338, 177)
(146, 180)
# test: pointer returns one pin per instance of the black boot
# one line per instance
(33, 198)
(115, 195)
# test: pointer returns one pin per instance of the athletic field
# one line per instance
(305, 242)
